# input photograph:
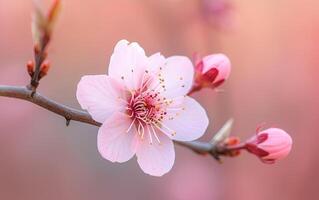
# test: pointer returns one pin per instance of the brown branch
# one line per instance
(65, 111)
(82, 116)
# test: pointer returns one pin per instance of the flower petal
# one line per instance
(185, 122)
(156, 159)
(279, 154)
(155, 61)
(176, 76)
(114, 142)
(128, 63)
(99, 95)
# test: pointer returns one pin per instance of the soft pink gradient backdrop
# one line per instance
(273, 46)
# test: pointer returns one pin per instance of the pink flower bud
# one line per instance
(212, 70)
(270, 145)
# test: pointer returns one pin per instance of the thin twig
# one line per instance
(82, 116)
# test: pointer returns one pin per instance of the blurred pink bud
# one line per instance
(53, 13)
(218, 13)
(212, 70)
(270, 145)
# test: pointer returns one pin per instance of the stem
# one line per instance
(69, 114)
(39, 57)
(237, 147)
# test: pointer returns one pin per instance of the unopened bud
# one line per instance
(30, 67)
(270, 145)
(212, 70)
(44, 69)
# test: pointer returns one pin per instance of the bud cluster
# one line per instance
(269, 145)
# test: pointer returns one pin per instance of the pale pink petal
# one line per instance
(128, 63)
(115, 143)
(175, 77)
(277, 139)
(279, 154)
(185, 122)
(99, 95)
(156, 159)
(155, 61)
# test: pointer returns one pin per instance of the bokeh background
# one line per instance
(273, 46)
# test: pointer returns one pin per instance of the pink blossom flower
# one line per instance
(142, 105)
(212, 70)
(270, 145)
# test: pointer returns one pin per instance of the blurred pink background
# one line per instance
(273, 46)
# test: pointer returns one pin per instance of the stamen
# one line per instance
(129, 128)
(155, 135)
(131, 115)
(159, 128)
(132, 97)
(172, 132)
(157, 87)
(150, 136)
(142, 82)
(145, 84)
(148, 129)
(148, 108)
(138, 128)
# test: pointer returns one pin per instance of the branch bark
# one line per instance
(69, 114)
(44, 102)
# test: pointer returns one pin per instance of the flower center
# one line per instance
(147, 111)
(146, 108)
